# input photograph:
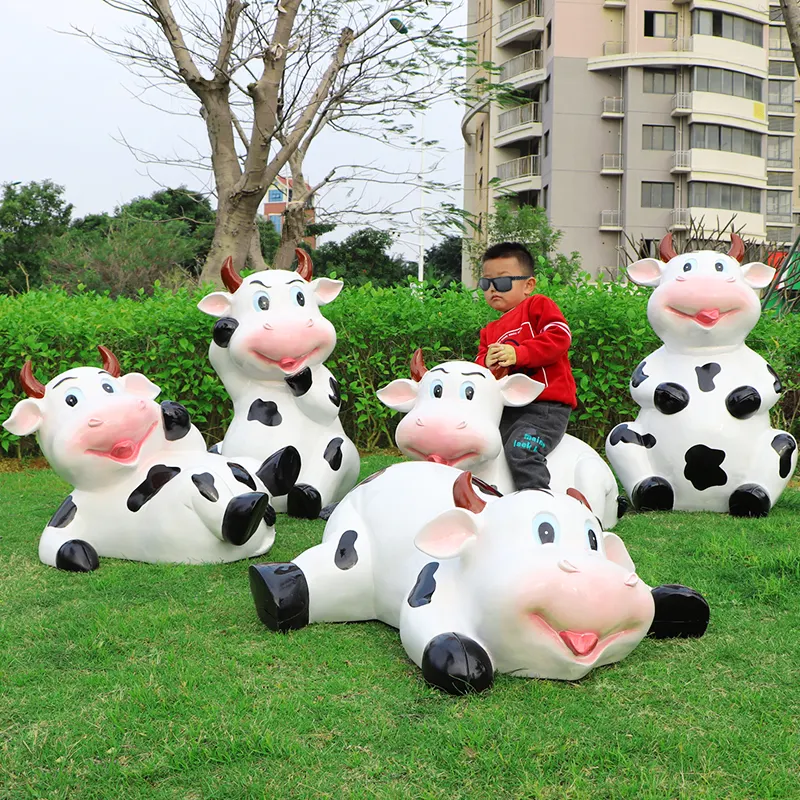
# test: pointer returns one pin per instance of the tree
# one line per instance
(443, 260)
(791, 16)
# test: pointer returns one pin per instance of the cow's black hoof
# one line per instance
(270, 516)
(77, 556)
(622, 505)
(681, 612)
(280, 471)
(243, 516)
(303, 501)
(328, 510)
(280, 593)
(653, 494)
(749, 500)
(457, 664)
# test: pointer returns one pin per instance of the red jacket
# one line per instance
(539, 333)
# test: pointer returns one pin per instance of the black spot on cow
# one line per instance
(703, 467)
(266, 412)
(622, 433)
(280, 471)
(486, 488)
(270, 516)
(335, 396)
(157, 478)
(204, 481)
(425, 586)
(242, 475)
(333, 453)
(300, 382)
(784, 445)
(223, 330)
(749, 500)
(77, 556)
(670, 398)
(743, 402)
(67, 510)
(176, 420)
(706, 375)
(346, 555)
(639, 376)
(777, 386)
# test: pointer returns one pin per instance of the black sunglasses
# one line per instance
(502, 284)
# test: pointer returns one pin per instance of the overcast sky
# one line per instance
(65, 102)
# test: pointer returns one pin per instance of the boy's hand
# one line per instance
(504, 355)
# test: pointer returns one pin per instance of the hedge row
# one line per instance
(166, 338)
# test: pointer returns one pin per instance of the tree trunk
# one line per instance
(233, 236)
(791, 16)
(292, 232)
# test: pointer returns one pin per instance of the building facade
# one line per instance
(638, 115)
(278, 197)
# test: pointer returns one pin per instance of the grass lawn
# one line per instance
(142, 681)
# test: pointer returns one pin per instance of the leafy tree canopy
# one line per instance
(443, 260)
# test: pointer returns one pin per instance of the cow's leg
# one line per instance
(68, 549)
(680, 612)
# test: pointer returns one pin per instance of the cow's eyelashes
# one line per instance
(591, 535)
(467, 390)
(299, 297)
(545, 528)
(261, 301)
(72, 397)
(437, 389)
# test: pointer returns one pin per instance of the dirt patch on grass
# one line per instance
(21, 464)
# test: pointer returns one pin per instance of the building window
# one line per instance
(546, 144)
(549, 33)
(723, 137)
(775, 14)
(779, 39)
(659, 81)
(658, 137)
(781, 93)
(724, 196)
(658, 195)
(781, 124)
(544, 197)
(784, 69)
(725, 81)
(661, 24)
(546, 90)
(779, 179)
(275, 196)
(779, 204)
(715, 23)
(779, 151)
(277, 221)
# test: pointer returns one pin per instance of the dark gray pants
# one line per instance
(529, 433)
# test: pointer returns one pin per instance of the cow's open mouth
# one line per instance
(436, 458)
(705, 317)
(585, 647)
(124, 451)
(289, 364)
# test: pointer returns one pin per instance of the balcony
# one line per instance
(779, 163)
(681, 161)
(519, 65)
(615, 3)
(780, 108)
(613, 48)
(611, 220)
(613, 108)
(528, 9)
(525, 167)
(680, 219)
(611, 164)
(684, 44)
(682, 104)
(783, 53)
(779, 217)
(781, 235)
(521, 115)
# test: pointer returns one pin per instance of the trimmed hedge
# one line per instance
(166, 337)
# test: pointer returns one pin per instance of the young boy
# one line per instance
(531, 337)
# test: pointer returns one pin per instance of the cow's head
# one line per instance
(92, 424)
(270, 322)
(702, 299)
(453, 410)
(554, 595)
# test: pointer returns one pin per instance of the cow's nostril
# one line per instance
(94, 423)
(632, 580)
(420, 422)
(567, 566)
(267, 326)
(731, 279)
(461, 425)
(310, 323)
(142, 405)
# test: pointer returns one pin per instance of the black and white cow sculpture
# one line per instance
(526, 584)
(145, 487)
(702, 440)
(268, 348)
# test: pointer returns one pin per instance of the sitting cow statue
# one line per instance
(527, 584)
(268, 348)
(702, 440)
(145, 487)
(453, 416)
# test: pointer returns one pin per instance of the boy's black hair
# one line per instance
(511, 250)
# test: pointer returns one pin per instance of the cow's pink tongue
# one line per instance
(708, 316)
(123, 450)
(580, 643)
(436, 459)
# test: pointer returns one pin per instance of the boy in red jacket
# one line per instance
(531, 337)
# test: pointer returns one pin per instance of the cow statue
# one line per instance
(452, 416)
(526, 584)
(268, 348)
(145, 487)
(702, 440)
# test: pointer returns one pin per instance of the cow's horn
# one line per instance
(32, 387)
(230, 277)
(465, 496)
(110, 362)
(737, 247)
(305, 268)
(666, 249)
(418, 368)
(580, 497)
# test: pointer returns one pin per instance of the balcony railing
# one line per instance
(525, 167)
(683, 44)
(680, 219)
(613, 107)
(784, 217)
(527, 62)
(528, 9)
(613, 48)
(611, 164)
(682, 103)
(521, 115)
(611, 220)
(681, 161)
(779, 163)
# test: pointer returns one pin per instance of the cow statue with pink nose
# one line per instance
(526, 584)
(268, 348)
(702, 440)
(145, 487)
(452, 416)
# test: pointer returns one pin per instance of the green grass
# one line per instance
(142, 681)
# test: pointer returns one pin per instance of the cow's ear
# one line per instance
(399, 395)
(757, 275)
(138, 384)
(617, 552)
(646, 272)
(216, 304)
(326, 290)
(25, 418)
(519, 389)
(447, 535)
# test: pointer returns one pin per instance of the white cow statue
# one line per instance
(268, 348)
(702, 440)
(145, 487)
(452, 416)
(527, 584)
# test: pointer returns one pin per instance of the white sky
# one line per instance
(64, 102)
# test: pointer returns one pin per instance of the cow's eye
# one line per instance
(107, 387)
(299, 297)
(687, 266)
(545, 527)
(72, 397)
(719, 266)
(591, 534)
(437, 389)
(260, 301)
(467, 390)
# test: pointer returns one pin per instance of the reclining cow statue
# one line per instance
(268, 348)
(478, 584)
(452, 416)
(145, 487)
(702, 440)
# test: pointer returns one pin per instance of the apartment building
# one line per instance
(279, 196)
(638, 115)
